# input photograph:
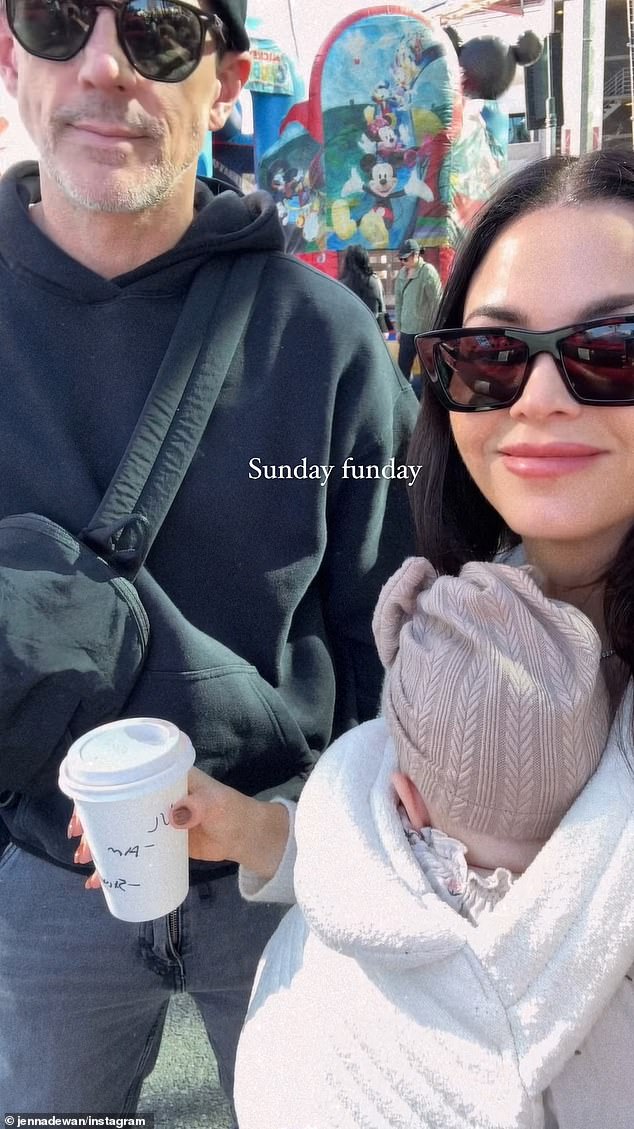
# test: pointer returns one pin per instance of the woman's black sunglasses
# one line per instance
(480, 370)
(162, 39)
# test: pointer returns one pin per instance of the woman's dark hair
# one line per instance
(356, 272)
(454, 522)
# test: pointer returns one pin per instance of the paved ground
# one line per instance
(182, 1092)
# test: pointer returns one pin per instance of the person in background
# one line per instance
(259, 591)
(416, 297)
(357, 274)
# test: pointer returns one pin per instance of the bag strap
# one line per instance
(176, 412)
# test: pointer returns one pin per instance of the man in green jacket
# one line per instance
(417, 293)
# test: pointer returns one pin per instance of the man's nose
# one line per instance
(103, 62)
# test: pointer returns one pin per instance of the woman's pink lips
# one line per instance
(548, 461)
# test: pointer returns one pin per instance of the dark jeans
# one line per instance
(406, 353)
(83, 996)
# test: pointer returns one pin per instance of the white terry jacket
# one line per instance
(377, 1005)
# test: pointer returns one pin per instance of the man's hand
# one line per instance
(82, 854)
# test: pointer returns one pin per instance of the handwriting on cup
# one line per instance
(134, 851)
(118, 884)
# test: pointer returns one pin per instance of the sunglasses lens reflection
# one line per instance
(486, 369)
(479, 371)
(599, 362)
(51, 31)
(162, 38)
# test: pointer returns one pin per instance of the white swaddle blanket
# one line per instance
(377, 1005)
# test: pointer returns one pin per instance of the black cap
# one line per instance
(409, 247)
(234, 14)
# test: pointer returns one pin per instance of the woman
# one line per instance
(358, 276)
(527, 446)
(554, 246)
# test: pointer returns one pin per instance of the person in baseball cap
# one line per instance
(416, 296)
(408, 248)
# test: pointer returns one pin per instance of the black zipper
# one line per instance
(173, 935)
(173, 947)
(174, 932)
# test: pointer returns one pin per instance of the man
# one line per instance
(416, 298)
(277, 577)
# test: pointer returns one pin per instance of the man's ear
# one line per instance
(411, 799)
(8, 68)
(233, 71)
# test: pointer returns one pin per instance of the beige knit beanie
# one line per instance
(494, 696)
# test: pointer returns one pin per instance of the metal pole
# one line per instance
(586, 49)
(550, 123)
(551, 113)
(631, 55)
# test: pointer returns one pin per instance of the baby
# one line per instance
(499, 714)
(375, 1004)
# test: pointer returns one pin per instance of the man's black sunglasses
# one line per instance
(482, 369)
(162, 39)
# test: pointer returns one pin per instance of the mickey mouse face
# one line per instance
(382, 180)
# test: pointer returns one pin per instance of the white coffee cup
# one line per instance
(124, 778)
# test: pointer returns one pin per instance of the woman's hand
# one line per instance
(222, 824)
(225, 824)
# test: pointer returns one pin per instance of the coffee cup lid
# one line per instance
(131, 756)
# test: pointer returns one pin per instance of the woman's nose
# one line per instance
(545, 391)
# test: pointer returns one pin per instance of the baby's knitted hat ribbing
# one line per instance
(493, 694)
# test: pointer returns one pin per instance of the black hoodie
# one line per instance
(259, 590)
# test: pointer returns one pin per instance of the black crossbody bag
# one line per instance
(73, 630)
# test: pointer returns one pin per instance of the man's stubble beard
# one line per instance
(152, 185)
